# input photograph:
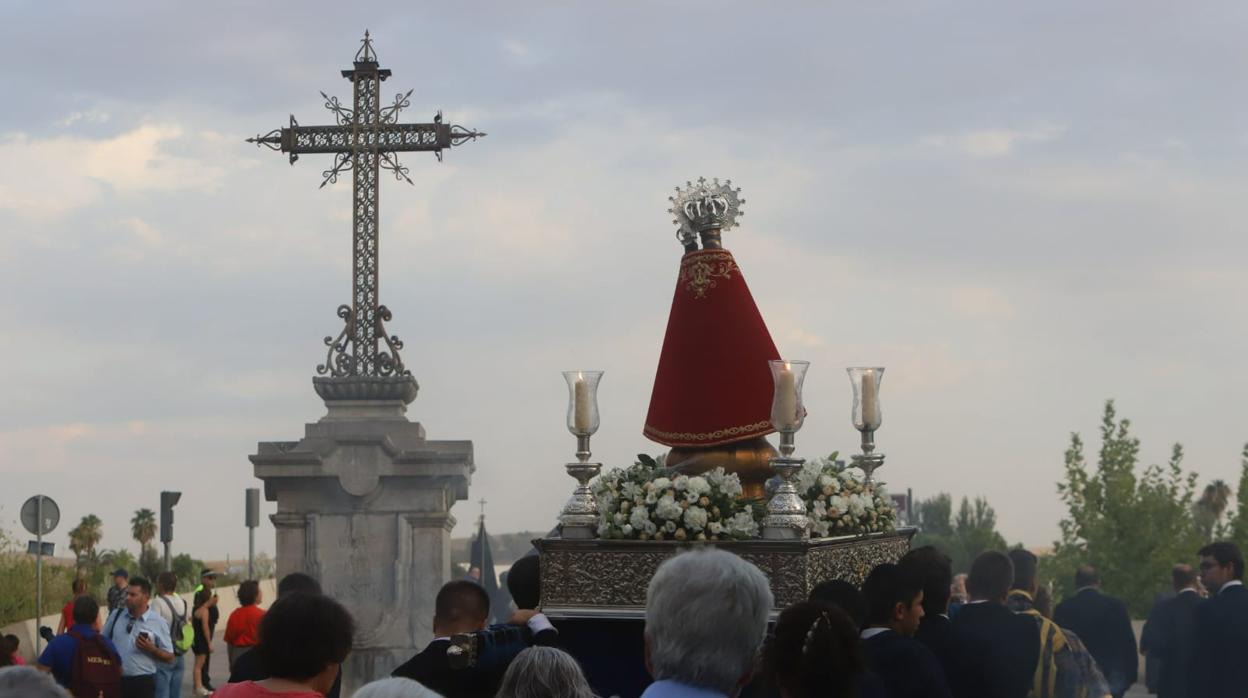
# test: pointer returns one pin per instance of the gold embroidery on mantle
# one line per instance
(747, 430)
(698, 273)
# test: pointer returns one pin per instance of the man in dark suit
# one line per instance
(894, 609)
(1103, 624)
(1171, 634)
(1220, 662)
(996, 650)
(462, 608)
(934, 570)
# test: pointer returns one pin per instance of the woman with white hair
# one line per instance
(544, 672)
(706, 617)
(395, 688)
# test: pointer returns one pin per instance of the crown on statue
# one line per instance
(705, 206)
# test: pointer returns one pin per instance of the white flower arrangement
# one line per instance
(645, 502)
(839, 501)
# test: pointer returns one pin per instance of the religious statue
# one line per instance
(711, 401)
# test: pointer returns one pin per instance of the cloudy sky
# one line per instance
(1020, 211)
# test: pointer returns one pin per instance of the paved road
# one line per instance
(219, 670)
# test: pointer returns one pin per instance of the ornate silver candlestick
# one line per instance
(867, 416)
(579, 518)
(786, 512)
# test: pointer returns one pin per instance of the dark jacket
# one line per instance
(996, 652)
(936, 633)
(1103, 624)
(1171, 633)
(497, 646)
(906, 666)
(1220, 662)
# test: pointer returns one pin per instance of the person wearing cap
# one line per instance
(117, 593)
(208, 580)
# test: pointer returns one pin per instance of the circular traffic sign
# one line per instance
(31, 519)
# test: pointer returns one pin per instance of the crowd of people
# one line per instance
(907, 632)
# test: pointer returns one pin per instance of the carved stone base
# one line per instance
(608, 578)
(363, 505)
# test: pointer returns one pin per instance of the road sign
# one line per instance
(34, 547)
(31, 512)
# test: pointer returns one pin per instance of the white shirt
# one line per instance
(179, 607)
(1228, 585)
(1187, 589)
(872, 632)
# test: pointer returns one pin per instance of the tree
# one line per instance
(17, 582)
(1237, 529)
(84, 537)
(963, 538)
(1133, 528)
(187, 569)
(1207, 511)
(143, 527)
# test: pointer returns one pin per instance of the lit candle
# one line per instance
(870, 401)
(580, 405)
(786, 398)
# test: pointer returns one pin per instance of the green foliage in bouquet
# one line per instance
(646, 502)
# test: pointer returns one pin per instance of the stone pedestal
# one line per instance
(363, 505)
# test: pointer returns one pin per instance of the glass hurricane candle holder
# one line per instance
(867, 415)
(579, 518)
(786, 512)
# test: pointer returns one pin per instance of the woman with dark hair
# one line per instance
(814, 653)
(244, 622)
(306, 637)
(202, 645)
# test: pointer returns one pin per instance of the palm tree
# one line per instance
(1208, 510)
(85, 536)
(143, 527)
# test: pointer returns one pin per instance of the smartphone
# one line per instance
(143, 634)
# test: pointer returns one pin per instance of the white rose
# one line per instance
(667, 508)
(680, 483)
(742, 525)
(620, 518)
(670, 527)
(639, 519)
(715, 528)
(660, 483)
(626, 529)
(695, 518)
(698, 484)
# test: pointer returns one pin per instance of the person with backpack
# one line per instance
(142, 639)
(177, 613)
(82, 660)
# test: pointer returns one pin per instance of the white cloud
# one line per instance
(89, 116)
(48, 177)
(981, 302)
(993, 142)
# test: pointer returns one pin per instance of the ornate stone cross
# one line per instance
(365, 139)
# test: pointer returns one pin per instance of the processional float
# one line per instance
(720, 389)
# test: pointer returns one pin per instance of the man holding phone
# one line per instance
(142, 640)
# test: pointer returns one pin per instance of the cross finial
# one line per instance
(366, 53)
(482, 503)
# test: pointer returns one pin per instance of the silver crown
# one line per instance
(705, 206)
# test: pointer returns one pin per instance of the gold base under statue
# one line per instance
(749, 459)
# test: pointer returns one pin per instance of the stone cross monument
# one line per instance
(364, 498)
